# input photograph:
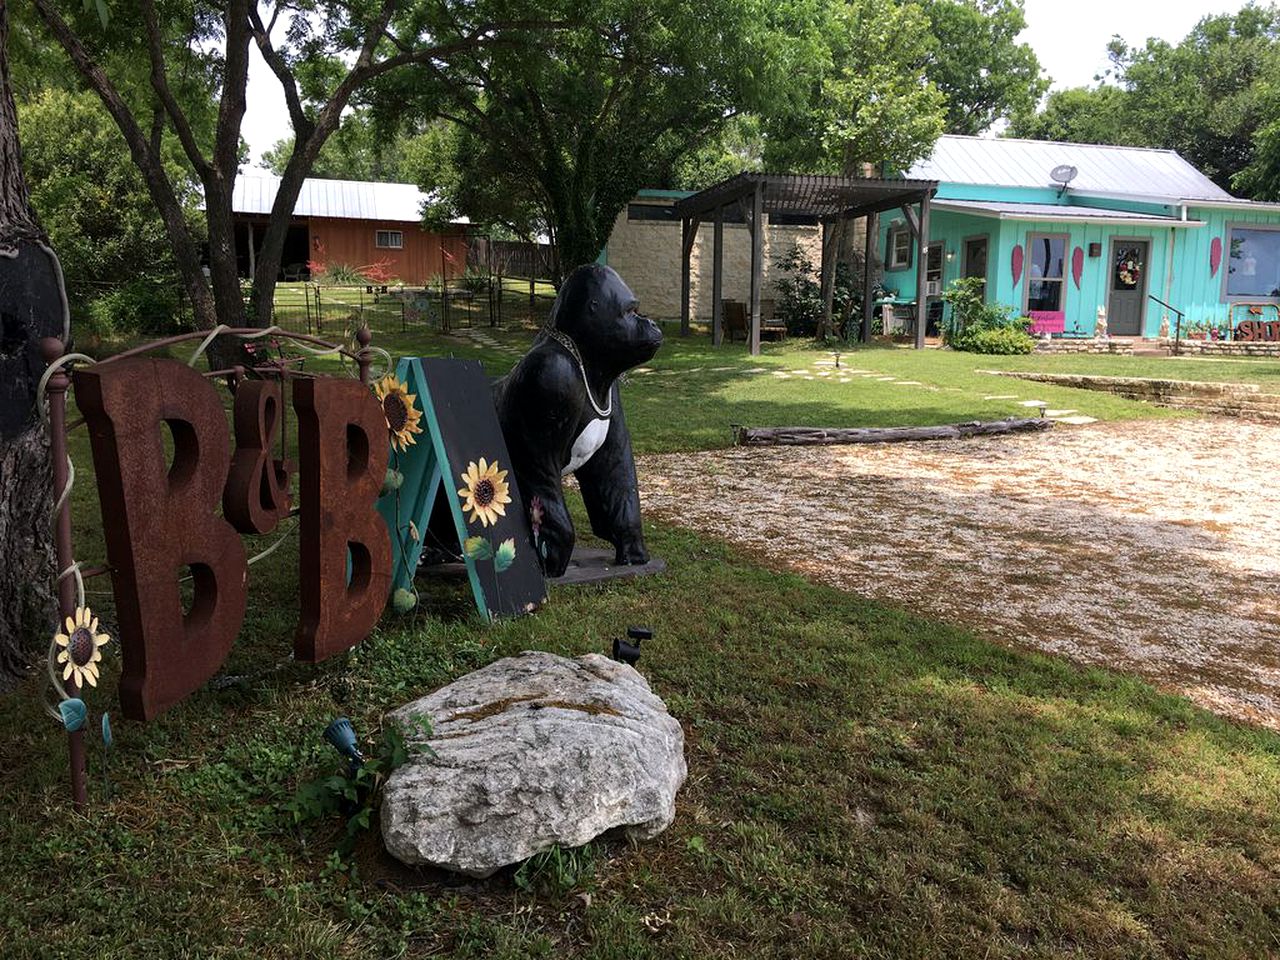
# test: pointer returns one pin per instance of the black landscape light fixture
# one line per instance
(628, 651)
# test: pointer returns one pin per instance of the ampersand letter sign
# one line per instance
(257, 493)
(160, 523)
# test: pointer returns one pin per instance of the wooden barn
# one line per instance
(351, 222)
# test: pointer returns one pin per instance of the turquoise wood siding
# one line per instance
(1081, 305)
(1177, 269)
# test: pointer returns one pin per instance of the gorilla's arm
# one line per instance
(539, 407)
(611, 493)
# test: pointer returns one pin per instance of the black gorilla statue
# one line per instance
(561, 413)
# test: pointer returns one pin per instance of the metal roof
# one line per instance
(1002, 210)
(346, 199)
(823, 196)
(1122, 171)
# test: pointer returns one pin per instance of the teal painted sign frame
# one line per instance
(432, 467)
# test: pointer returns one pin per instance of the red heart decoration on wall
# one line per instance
(1215, 256)
(1077, 265)
(1016, 263)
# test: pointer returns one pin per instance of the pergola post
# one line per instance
(717, 279)
(922, 269)
(757, 263)
(688, 232)
(827, 279)
(869, 273)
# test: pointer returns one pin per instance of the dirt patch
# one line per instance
(1148, 546)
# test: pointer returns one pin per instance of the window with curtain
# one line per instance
(1046, 271)
(1253, 263)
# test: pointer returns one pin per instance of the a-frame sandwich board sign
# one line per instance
(460, 429)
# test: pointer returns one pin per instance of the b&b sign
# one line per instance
(161, 517)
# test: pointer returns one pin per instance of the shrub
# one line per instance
(340, 275)
(999, 340)
(981, 327)
(477, 281)
(800, 293)
(145, 305)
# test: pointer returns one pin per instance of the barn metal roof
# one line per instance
(803, 193)
(346, 199)
(1123, 171)
(1002, 210)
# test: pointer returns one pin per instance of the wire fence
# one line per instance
(332, 311)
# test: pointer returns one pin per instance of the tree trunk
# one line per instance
(31, 308)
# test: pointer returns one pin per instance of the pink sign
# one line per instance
(1016, 263)
(1077, 265)
(1215, 256)
(1048, 321)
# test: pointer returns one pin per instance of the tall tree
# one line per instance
(866, 96)
(978, 64)
(608, 106)
(321, 52)
(1077, 115)
(31, 308)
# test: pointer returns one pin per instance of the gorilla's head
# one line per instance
(601, 314)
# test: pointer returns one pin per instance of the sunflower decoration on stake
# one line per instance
(400, 410)
(79, 650)
(485, 492)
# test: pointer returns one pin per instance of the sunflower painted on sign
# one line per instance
(485, 492)
(81, 647)
(400, 411)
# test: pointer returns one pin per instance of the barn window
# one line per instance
(390, 240)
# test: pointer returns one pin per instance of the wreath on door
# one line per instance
(1129, 270)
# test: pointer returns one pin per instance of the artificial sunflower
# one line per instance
(399, 409)
(80, 647)
(485, 492)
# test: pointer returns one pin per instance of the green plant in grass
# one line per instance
(356, 794)
(557, 871)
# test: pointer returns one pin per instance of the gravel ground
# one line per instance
(1149, 546)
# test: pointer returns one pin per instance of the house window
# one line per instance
(899, 248)
(389, 240)
(651, 211)
(1047, 253)
(1253, 264)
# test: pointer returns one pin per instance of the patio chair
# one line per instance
(770, 324)
(735, 319)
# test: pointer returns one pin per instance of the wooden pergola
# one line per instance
(830, 199)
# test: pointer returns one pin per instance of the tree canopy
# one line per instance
(568, 132)
(978, 65)
(1213, 97)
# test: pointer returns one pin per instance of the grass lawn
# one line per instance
(694, 391)
(861, 782)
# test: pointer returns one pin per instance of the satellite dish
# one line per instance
(1064, 173)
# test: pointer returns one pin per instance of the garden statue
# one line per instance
(1100, 330)
(561, 413)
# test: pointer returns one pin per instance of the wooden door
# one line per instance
(1127, 300)
(975, 261)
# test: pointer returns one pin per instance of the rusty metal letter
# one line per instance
(257, 493)
(159, 523)
(344, 549)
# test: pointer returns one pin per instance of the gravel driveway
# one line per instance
(1149, 546)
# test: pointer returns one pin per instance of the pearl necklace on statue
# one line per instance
(567, 342)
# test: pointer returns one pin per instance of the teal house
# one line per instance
(1060, 231)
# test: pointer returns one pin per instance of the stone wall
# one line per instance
(647, 255)
(1113, 345)
(1227, 348)
(1229, 399)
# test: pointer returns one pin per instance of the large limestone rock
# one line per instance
(533, 752)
